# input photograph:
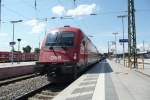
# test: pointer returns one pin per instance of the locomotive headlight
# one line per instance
(75, 56)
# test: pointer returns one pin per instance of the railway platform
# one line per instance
(9, 70)
(15, 64)
(144, 69)
(108, 80)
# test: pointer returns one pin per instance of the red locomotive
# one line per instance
(66, 51)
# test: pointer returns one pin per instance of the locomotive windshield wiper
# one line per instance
(56, 39)
(63, 46)
(56, 42)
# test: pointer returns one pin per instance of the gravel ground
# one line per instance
(18, 89)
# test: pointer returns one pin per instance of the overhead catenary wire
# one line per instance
(75, 4)
(19, 14)
(142, 10)
(15, 12)
(35, 5)
(60, 2)
(72, 17)
(27, 4)
(99, 13)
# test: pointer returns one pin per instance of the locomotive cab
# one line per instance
(59, 52)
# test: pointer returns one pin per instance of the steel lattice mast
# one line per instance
(131, 35)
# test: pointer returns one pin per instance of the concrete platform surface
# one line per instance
(144, 70)
(108, 80)
(4, 65)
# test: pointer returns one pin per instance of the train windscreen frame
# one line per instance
(60, 39)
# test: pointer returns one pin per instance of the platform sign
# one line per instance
(12, 43)
(123, 40)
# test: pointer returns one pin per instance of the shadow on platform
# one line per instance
(101, 67)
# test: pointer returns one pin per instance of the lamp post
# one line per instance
(0, 14)
(123, 46)
(109, 43)
(46, 26)
(19, 40)
(13, 42)
(115, 44)
(144, 46)
(108, 48)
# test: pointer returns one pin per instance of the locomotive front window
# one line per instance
(60, 39)
(67, 38)
(52, 38)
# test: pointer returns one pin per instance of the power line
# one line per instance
(71, 17)
(19, 14)
(109, 12)
(35, 5)
(60, 2)
(13, 11)
(142, 10)
(75, 4)
(27, 4)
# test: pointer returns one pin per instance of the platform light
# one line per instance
(123, 46)
(13, 42)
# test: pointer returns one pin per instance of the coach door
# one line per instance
(85, 52)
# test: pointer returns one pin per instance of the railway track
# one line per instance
(30, 87)
(48, 92)
(17, 89)
(16, 79)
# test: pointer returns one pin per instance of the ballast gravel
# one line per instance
(18, 89)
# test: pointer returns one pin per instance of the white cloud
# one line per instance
(37, 26)
(59, 10)
(80, 10)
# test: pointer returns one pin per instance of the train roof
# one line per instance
(65, 28)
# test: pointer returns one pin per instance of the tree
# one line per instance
(27, 49)
(37, 50)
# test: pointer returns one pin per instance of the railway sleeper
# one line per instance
(49, 93)
(41, 96)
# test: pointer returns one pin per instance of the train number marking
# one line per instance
(55, 57)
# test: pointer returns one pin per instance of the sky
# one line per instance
(98, 27)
